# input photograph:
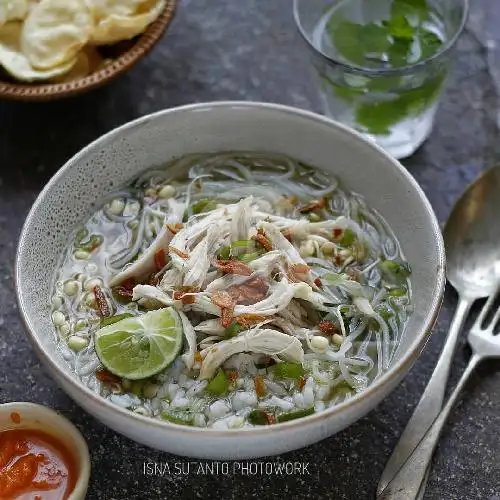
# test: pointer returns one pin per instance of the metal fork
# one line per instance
(485, 344)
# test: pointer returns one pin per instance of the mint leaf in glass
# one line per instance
(345, 36)
(430, 43)
(343, 92)
(374, 38)
(384, 83)
(354, 42)
(389, 43)
(418, 9)
(403, 34)
(378, 117)
(400, 28)
(419, 99)
(402, 39)
(399, 53)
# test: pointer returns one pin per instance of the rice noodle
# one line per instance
(288, 299)
(127, 255)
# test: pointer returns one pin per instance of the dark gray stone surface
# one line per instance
(223, 49)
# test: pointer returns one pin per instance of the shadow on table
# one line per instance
(37, 138)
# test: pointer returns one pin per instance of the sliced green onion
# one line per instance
(114, 319)
(398, 292)
(219, 385)
(384, 312)
(348, 237)
(314, 217)
(204, 205)
(242, 243)
(288, 370)
(91, 244)
(182, 416)
(292, 415)
(396, 271)
(343, 389)
(260, 417)
(232, 330)
(225, 253)
(248, 257)
(81, 235)
(343, 310)
(241, 247)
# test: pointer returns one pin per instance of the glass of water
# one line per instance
(382, 64)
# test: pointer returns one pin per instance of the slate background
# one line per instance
(223, 49)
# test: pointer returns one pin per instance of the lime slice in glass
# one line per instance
(141, 346)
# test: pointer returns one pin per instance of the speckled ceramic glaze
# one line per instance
(111, 161)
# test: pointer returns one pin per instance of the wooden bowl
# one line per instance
(123, 56)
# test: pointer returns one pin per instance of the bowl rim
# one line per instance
(47, 91)
(67, 428)
(394, 373)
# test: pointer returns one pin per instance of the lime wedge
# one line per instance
(141, 346)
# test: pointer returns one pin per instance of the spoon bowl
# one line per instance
(472, 236)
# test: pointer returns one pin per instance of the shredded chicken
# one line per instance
(272, 295)
(267, 262)
(261, 341)
(145, 265)
(210, 327)
(200, 258)
(171, 280)
(279, 242)
(279, 316)
(190, 334)
(142, 292)
(242, 220)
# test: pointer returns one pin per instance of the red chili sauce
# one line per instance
(34, 466)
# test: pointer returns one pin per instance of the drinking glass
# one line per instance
(382, 65)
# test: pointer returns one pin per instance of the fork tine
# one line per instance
(484, 311)
(495, 319)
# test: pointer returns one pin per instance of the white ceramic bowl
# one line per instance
(37, 417)
(115, 158)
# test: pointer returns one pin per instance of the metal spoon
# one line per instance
(472, 241)
(407, 484)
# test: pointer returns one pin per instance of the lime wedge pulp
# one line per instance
(140, 346)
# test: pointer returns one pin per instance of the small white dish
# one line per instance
(32, 416)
